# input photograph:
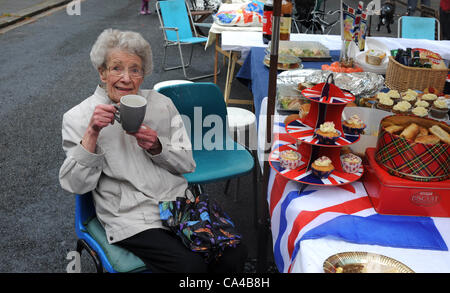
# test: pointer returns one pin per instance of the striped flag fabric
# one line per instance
(336, 212)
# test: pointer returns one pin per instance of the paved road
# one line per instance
(45, 70)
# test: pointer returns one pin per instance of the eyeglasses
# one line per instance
(119, 71)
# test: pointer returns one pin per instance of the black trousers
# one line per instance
(163, 252)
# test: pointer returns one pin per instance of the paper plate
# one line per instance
(363, 262)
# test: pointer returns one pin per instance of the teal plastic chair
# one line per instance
(92, 238)
(175, 18)
(415, 27)
(216, 155)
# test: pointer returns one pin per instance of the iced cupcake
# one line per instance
(327, 134)
(351, 163)
(410, 98)
(353, 125)
(422, 103)
(420, 111)
(290, 159)
(402, 107)
(385, 103)
(439, 109)
(322, 167)
(410, 92)
(429, 98)
(394, 95)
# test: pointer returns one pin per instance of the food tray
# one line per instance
(303, 175)
(307, 51)
(363, 262)
(286, 94)
(285, 62)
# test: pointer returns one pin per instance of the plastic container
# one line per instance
(305, 50)
(393, 195)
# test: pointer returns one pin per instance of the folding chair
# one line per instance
(175, 18)
(92, 238)
(415, 27)
(225, 159)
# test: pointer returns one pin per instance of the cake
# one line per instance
(410, 98)
(327, 134)
(422, 103)
(353, 125)
(428, 97)
(402, 107)
(384, 102)
(420, 111)
(351, 163)
(439, 108)
(410, 92)
(322, 167)
(375, 57)
(290, 159)
(393, 94)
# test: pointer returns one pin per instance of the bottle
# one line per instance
(267, 21)
(416, 59)
(285, 20)
(409, 57)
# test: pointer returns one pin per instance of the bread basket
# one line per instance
(408, 159)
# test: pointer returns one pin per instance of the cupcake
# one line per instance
(422, 103)
(385, 103)
(327, 134)
(428, 97)
(351, 163)
(420, 111)
(353, 125)
(409, 98)
(322, 167)
(402, 107)
(394, 95)
(290, 159)
(410, 92)
(439, 108)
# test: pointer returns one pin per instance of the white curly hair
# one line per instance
(128, 41)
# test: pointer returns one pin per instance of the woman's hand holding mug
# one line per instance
(147, 139)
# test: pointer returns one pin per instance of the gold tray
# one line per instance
(363, 262)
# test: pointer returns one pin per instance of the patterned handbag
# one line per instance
(201, 225)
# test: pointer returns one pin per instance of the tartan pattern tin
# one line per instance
(415, 161)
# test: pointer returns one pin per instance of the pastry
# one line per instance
(384, 102)
(351, 163)
(290, 159)
(411, 131)
(439, 108)
(304, 110)
(422, 103)
(322, 167)
(422, 131)
(441, 133)
(410, 92)
(353, 125)
(428, 97)
(409, 98)
(394, 128)
(327, 134)
(393, 94)
(402, 107)
(420, 111)
(427, 139)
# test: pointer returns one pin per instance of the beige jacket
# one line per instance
(127, 182)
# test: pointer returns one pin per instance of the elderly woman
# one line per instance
(129, 174)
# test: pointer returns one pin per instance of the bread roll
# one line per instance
(427, 139)
(411, 131)
(394, 128)
(441, 133)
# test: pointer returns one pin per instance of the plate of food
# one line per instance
(289, 99)
(363, 262)
(285, 62)
(306, 50)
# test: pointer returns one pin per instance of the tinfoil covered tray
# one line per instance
(360, 84)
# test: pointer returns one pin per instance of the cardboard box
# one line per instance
(398, 196)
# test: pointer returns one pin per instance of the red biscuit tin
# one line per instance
(398, 196)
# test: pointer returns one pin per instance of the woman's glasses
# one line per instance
(120, 71)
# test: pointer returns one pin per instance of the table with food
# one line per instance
(360, 155)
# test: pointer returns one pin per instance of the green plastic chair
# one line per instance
(216, 155)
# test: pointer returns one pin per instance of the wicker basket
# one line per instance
(400, 77)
